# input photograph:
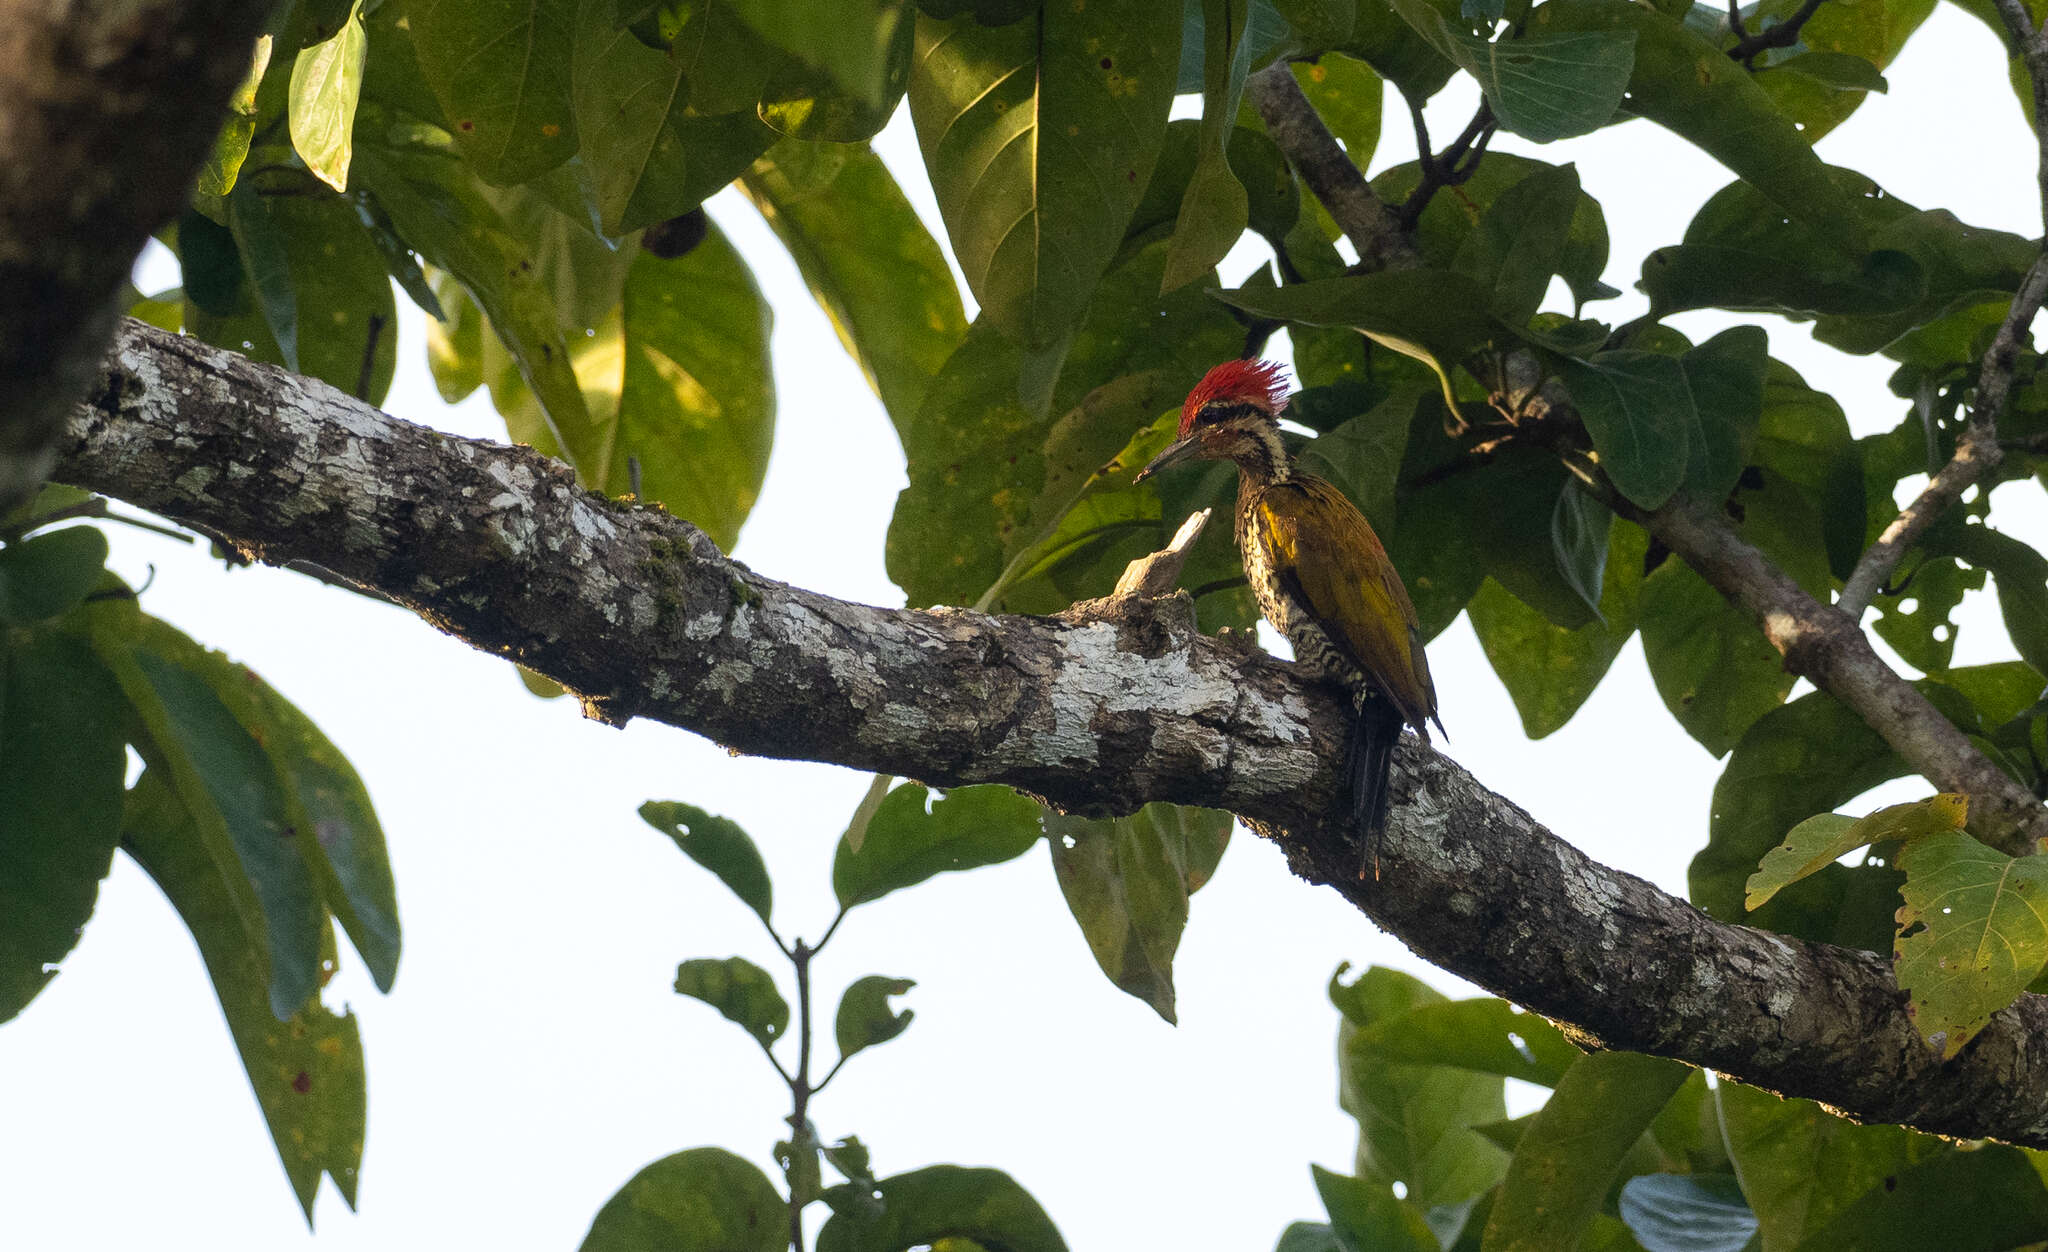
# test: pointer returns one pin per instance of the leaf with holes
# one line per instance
(1973, 932)
(1822, 840)
(865, 1018)
(1542, 85)
(719, 845)
(739, 989)
(913, 837)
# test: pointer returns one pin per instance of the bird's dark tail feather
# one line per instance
(1374, 732)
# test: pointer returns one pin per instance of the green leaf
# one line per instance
(1214, 210)
(1753, 278)
(645, 155)
(1039, 138)
(1484, 1036)
(1580, 527)
(1348, 95)
(739, 989)
(1127, 881)
(268, 265)
(719, 845)
(1822, 840)
(327, 80)
(1367, 1216)
(49, 574)
(1686, 85)
(1542, 85)
(334, 289)
(1978, 1201)
(1381, 39)
(236, 804)
(913, 837)
(1415, 1121)
(1565, 1162)
(231, 148)
(1520, 242)
(1550, 671)
(442, 214)
(501, 70)
(1973, 932)
(2021, 574)
(865, 1018)
(1800, 1165)
(867, 258)
(1309, 1237)
(62, 757)
(1726, 378)
(701, 1198)
(1848, 44)
(848, 39)
(1638, 409)
(308, 1072)
(1687, 1213)
(1322, 23)
(1436, 317)
(455, 342)
(944, 1204)
(1449, 221)
(805, 103)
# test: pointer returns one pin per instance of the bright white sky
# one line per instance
(532, 1056)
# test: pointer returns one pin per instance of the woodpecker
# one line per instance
(1320, 573)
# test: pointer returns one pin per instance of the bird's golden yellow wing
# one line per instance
(1321, 542)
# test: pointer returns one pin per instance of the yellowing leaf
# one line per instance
(1820, 841)
(1972, 934)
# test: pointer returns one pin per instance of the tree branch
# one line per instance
(643, 616)
(1298, 129)
(1748, 47)
(106, 110)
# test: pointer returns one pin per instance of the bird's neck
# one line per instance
(1262, 456)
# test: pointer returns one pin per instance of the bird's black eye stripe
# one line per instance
(1223, 411)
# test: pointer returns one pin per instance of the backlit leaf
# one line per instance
(327, 80)
(501, 69)
(913, 837)
(701, 1198)
(739, 989)
(1973, 934)
(719, 845)
(1822, 840)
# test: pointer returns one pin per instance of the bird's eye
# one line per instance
(1218, 411)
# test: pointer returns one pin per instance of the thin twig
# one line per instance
(1977, 454)
(1451, 167)
(1748, 47)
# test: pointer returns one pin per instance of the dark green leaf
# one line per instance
(802, 102)
(327, 80)
(1127, 882)
(1436, 317)
(1520, 242)
(237, 806)
(62, 756)
(501, 69)
(719, 845)
(739, 989)
(944, 1203)
(865, 1018)
(912, 837)
(1039, 138)
(1836, 70)
(1979, 1201)
(1309, 1237)
(850, 1157)
(1579, 531)
(1723, 276)
(1847, 45)
(1485, 1036)
(210, 263)
(1366, 1216)
(1542, 85)
(1726, 378)
(48, 575)
(1638, 409)
(703, 1198)
(1381, 39)
(646, 156)
(879, 275)
(1450, 221)
(1687, 1213)
(1362, 454)
(1415, 1120)
(1321, 23)
(850, 40)
(1566, 1161)
(1800, 1166)
(308, 1072)
(442, 214)
(455, 342)
(1548, 670)
(1214, 210)
(264, 259)
(2022, 577)
(336, 289)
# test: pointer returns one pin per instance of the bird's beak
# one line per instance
(1174, 453)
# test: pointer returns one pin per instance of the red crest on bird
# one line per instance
(1263, 383)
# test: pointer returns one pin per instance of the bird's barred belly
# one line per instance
(1312, 645)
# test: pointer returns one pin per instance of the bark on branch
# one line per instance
(643, 616)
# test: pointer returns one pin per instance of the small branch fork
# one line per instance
(1749, 46)
(1451, 167)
